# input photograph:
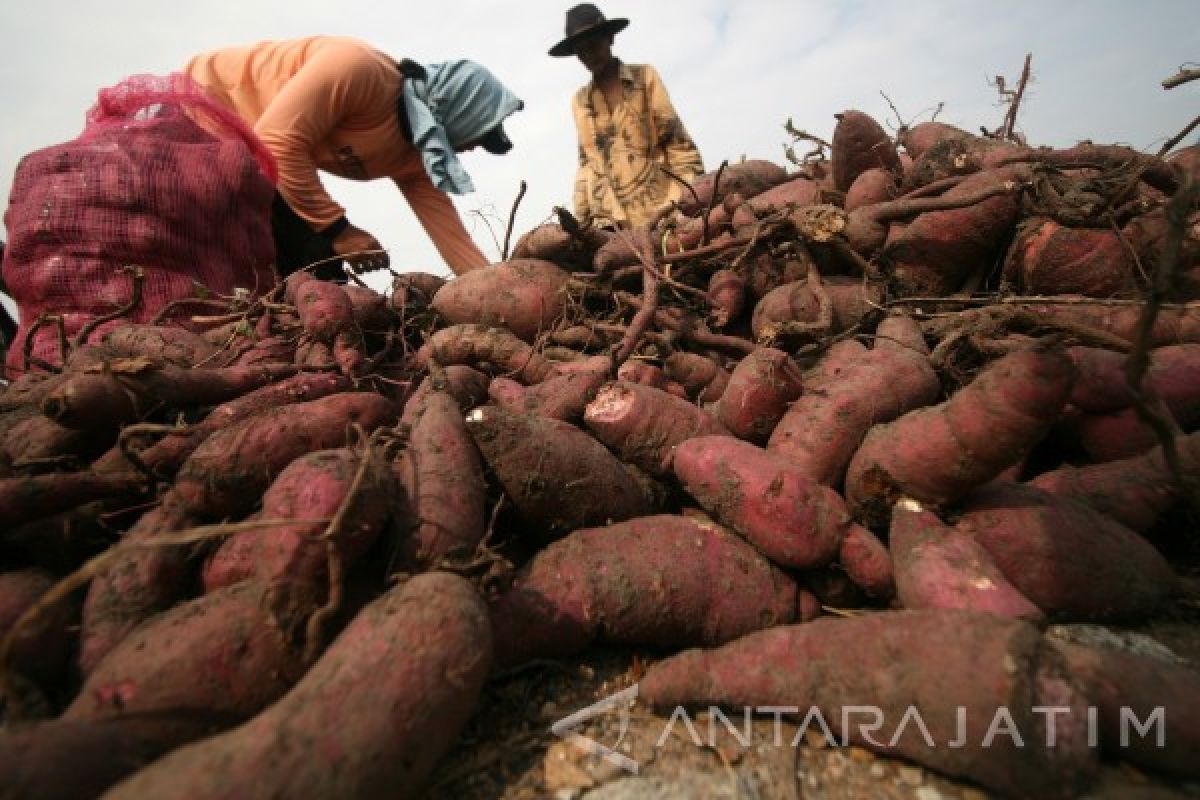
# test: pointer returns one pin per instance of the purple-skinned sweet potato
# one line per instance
(956, 670)
(664, 581)
(860, 144)
(370, 719)
(525, 296)
(758, 394)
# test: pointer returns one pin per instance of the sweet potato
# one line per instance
(413, 291)
(443, 483)
(468, 387)
(271, 350)
(792, 193)
(940, 567)
(144, 581)
(558, 477)
(235, 560)
(69, 759)
(759, 391)
(786, 515)
(700, 376)
(131, 389)
(27, 497)
(168, 454)
(475, 345)
(226, 475)
(848, 392)
(563, 396)
(324, 308)
(552, 242)
(936, 455)
(635, 371)
(798, 307)
(726, 296)
(41, 650)
(1123, 684)
(919, 138)
(1067, 558)
(875, 185)
(746, 178)
(160, 343)
(664, 581)
(525, 296)
(1120, 434)
(394, 689)
(958, 670)
(643, 425)
(867, 563)
(228, 637)
(293, 559)
(369, 308)
(36, 439)
(1135, 491)
(936, 252)
(860, 144)
(1047, 258)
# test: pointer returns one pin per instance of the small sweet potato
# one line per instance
(1067, 558)
(758, 394)
(524, 296)
(726, 296)
(664, 581)
(643, 425)
(867, 563)
(697, 374)
(563, 396)
(956, 669)
(558, 477)
(394, 690)
(798, 307)
(476, 345)
(875, 185)
(938, 454)
(786, 515)
(860, 144)
(940, 567)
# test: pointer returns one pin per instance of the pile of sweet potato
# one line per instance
(862, 427)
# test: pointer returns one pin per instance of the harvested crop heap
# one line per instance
(947, 381)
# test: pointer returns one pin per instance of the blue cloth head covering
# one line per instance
(455, 103)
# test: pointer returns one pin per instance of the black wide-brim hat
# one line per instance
(585, 20)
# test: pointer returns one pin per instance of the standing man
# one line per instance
(629, 133)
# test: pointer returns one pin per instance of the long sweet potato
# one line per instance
(665, 581)
(789, 517)
(956, 670)
(475, 345)
(443, 483)
(937, 455)
(226, 475)
(394, 690)
(851, 390)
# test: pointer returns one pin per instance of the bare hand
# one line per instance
(361, 250)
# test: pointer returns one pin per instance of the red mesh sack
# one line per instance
(162, 178)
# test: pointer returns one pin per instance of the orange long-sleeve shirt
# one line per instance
(329, 103)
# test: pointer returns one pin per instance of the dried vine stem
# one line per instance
(135, 299)
(645, 315)
(512, 218)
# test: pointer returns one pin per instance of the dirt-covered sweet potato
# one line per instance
(867, 563)
(786, 515)
(664, 581)
(848, 392)
(563, 396)
(468, 387)
(758, 394)
(42, 647)
(1048, 258)
(167, 344)
(393, 691)
(525, 296)
(940, 567)
(476, 345)
(746, 178)
(558, 477)
(875, 185)
(226, 475)
(938, 454)
(798, 307)
(956, 670)
(1067, 558)
(643, 425)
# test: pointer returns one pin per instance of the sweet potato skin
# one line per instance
(867, 563)
(786, 515)
(937, 455)
(395, 688)
(859, 144)
(759, 391)
(940, 567)
(526, 296)
(652, 580)
(1047, 258)
(558, 477)
(1068, 559)
(890, 660)
(746, 178)
(643, 425)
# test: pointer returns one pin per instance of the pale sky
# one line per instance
(736, 72)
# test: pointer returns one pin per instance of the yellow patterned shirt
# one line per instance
(621, 151)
